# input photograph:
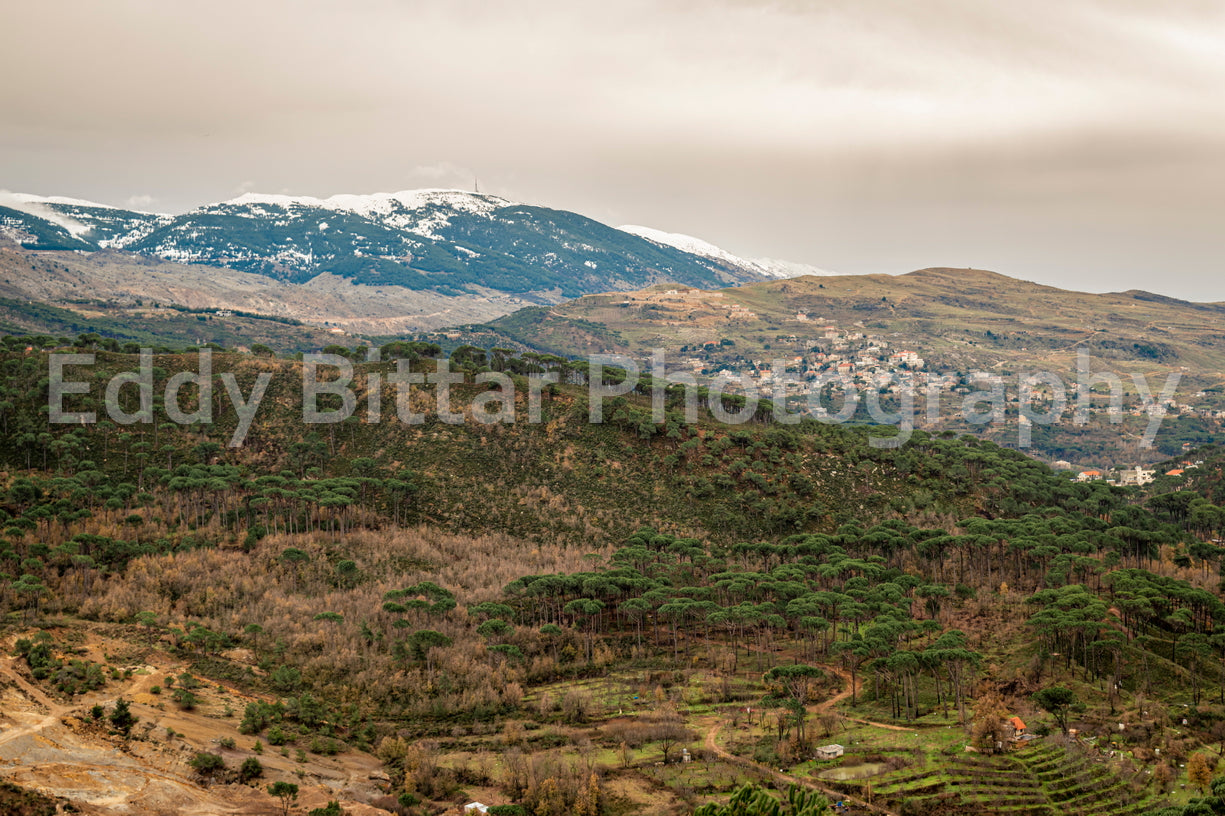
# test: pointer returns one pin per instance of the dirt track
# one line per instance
(37, 697)
(712, 745)
(846, 692)
(49, 747)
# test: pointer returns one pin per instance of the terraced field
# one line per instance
(1042, 779)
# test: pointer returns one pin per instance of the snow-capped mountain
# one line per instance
(71, 223)
(450, 242)
(417, 211)
(766, 267)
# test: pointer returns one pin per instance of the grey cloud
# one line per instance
(1071, 142)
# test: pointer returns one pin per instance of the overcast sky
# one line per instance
(1071, 142)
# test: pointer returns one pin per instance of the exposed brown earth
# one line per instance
(52, 746)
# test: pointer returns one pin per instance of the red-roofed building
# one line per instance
(1174, 472)
(1017, 725)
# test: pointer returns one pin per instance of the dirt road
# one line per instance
(846, 692)
(48, 746)
(712, 745)
(36, 696)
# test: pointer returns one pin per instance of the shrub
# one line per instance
(185, 698)
(286, 679)
(325, 746)
(257, 716)
(576, 705)
(78, 676)
(332, 809)
(206, 765)
(38, 655)
(251, 769)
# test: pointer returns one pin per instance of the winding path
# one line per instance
(54, 710)
(846, 692)
(712, 745)
(136, 774)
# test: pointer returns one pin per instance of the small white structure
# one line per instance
(1138, 477)
(476, 807)
(830, 751)
(685, 755)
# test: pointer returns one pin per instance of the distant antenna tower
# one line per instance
(476, 186)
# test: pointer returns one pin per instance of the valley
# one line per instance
(743, 408)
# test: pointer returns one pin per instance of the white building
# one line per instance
(1138, 477)
(830, 751)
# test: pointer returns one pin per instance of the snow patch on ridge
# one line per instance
(38, 207)
(422, 212)
(378, 203)
(72, 202)
(766, 267)
(788, 269)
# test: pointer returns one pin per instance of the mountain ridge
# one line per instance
(768, 267)
(451, 242)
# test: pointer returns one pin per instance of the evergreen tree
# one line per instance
(122, 718)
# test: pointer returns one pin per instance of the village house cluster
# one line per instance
(1129, 477)
(802, 361)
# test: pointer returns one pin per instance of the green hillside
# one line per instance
(582, 601)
